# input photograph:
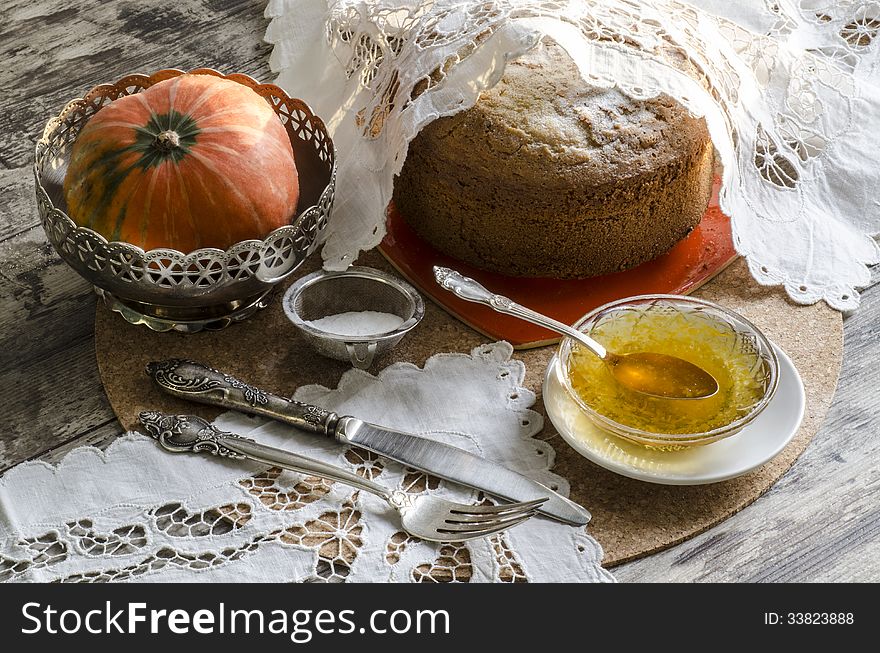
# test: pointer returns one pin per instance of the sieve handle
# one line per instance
(361, 354)
(205, 385)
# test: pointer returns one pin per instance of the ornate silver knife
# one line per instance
(195, 382)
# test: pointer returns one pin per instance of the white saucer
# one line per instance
(741, 453)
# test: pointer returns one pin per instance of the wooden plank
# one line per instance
(52, 52)
(99, 436)
(50, 392)
(18, 209)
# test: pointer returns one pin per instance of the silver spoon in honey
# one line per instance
(657, 375)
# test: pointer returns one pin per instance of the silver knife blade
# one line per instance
(459, 466)
(197, 382)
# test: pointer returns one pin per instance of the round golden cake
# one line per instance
(547, 176)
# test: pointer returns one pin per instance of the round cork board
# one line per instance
(630, 518)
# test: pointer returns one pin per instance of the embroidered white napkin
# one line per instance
(138, 513)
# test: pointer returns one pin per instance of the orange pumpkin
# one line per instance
(194, 161)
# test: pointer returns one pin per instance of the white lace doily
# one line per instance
(136, 512)
(789, 89)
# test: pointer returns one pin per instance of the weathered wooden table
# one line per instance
(821, 522)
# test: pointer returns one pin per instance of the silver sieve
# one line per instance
(322, 294)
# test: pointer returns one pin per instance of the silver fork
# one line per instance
(426, 517)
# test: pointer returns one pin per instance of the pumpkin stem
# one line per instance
(168, 140)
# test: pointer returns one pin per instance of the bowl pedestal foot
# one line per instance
(185, 319)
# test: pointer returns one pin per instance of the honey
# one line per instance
(694, 336)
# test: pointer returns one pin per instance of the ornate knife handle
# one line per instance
(196, 382)
(472, 291)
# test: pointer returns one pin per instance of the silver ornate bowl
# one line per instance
(187, 291)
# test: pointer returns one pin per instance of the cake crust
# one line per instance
(548, 176)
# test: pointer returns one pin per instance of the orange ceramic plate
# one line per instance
(707, 250)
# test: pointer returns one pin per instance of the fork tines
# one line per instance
(486, 520)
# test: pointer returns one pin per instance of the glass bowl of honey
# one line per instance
(723, 343)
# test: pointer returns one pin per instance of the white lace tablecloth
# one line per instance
(137, 513)
(789, 90)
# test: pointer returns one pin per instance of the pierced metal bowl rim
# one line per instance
(641, 436)
(169, 252)
(300, 285)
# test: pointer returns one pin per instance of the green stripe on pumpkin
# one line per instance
(146, 143)
(113, 174)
